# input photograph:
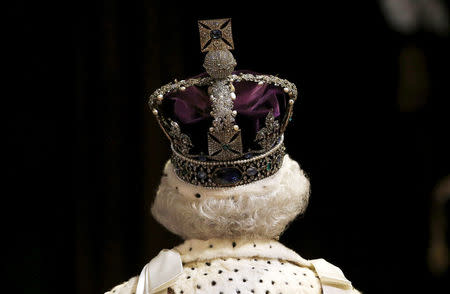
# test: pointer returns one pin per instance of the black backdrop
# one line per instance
(84, 154)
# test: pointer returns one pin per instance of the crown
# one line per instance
(225, 127)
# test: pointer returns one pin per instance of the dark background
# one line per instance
(84, 154)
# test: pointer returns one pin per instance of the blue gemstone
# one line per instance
(248, 155)
(227, 176)
(215, 34)
(251, 171)
(201, 175)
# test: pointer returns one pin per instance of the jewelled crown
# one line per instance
(225, 127)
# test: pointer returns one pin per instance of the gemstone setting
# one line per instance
(251, 171)
(215, 34)
(228, 173)
(227, 176)
(201, 175)
(248, 155)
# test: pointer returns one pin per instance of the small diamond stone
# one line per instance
(251, 171)
(201, 175)
(215, 34)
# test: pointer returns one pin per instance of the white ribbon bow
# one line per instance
(160, 273)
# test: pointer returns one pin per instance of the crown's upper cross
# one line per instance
(215, 34)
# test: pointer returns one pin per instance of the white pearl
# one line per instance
(291, 101)
(211, 129)
(155, 111)
(234, 113)
(211, 96)
(160, 97)
(233, 95)
(286, 90)
(260, 83)
(212, 113)
(236, 127)
(182, 88)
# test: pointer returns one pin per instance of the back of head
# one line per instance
(229, 174)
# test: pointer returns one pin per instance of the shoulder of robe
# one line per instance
(332, 278)
(128, 287)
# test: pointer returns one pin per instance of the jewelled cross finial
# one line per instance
(215, 34)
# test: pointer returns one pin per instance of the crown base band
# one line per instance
(216, 174)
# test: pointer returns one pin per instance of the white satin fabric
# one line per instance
(332, 278)
(160, 273)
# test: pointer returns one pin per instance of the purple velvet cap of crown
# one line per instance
(191, 110)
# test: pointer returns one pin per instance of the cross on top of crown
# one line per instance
(215, 34)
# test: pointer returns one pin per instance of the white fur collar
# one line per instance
(200, 250)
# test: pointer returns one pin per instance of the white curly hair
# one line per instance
(258, 210)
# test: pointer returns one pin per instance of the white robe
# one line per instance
(243, 266)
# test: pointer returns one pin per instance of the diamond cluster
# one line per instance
(219, 64)
(224, 137)
(267, 136)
